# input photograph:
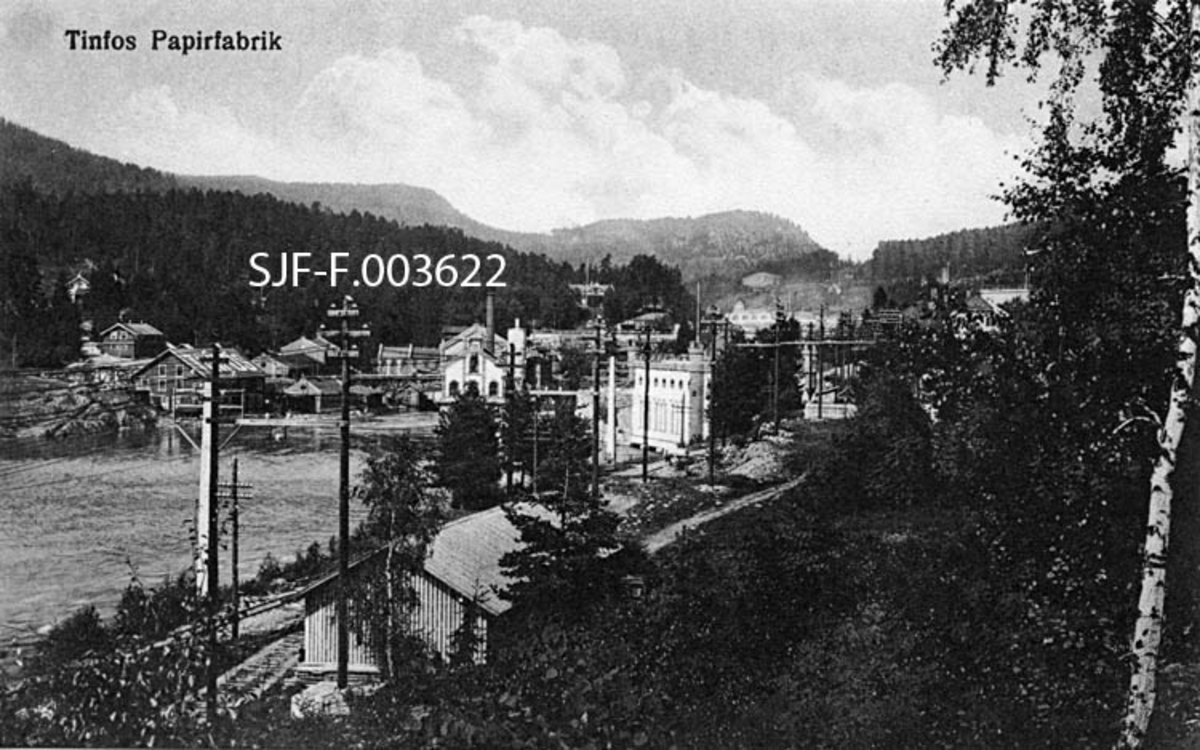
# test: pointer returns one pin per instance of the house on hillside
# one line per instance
(751, 319)
(590, 296)
(131, 340)
(77, 287)
(174, 380)
(761, 280)
(460, 583)
(988, 307)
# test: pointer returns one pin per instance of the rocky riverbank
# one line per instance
(49, 406)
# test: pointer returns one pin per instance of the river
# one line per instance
(79, 518)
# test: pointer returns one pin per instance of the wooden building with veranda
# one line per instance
(459, 584)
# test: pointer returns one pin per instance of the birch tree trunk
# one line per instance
(390, 597)
(1147, 633)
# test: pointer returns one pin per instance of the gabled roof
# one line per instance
(465, 556)
(137, 329)
(305, 345)
(234, 364)
(456, 345)
(314, 387)
(1002, 296)
(978, 304)
(267, 358)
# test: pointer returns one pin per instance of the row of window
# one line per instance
(493, 388)
(666, 383)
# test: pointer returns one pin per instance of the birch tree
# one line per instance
(1138, 56)
(401, 514)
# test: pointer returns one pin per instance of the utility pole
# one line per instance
(207, 519)
(206, 500)
(344, 313)
(233, 547)
(509, 388)
(537, 413)
(235, 492)
(612, 408)
(779, 319)
(646, 412)
(596, 411)
(712, 319)
(821, 369)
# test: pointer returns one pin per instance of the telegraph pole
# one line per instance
(711, 319)
(596, 413)
(646, 412)
(235, 492)
(779, 318)
(537, 413)
(233, 547)
(821, 370)
(347, 311)
(206, 524)
(510, 386)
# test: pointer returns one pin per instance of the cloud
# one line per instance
(549, 131)
(914, 170)
(155, 129)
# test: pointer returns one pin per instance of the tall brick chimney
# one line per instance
(491, 321)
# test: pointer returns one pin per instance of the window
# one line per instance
(454, 388)
(473, 364)
(493, 389)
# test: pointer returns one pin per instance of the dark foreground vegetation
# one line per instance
(958, 570)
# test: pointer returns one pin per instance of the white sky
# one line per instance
(534, 115)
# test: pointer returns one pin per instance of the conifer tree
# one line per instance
(468, 452)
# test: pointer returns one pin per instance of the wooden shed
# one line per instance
(461, 579)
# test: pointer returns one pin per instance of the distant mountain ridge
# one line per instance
(405, 204)
(725, 244)
(728, 244)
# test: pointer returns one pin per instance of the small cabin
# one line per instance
(459, 586)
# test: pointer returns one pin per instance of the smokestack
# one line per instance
(491, 320)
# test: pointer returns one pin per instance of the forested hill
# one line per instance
(725, 245)
(992, 254)
(729, 244)
(406, 204)
(180, 260)
(55, 167)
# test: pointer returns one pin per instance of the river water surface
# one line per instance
(79, 517)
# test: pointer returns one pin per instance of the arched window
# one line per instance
(493, 389)
(454, 388)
